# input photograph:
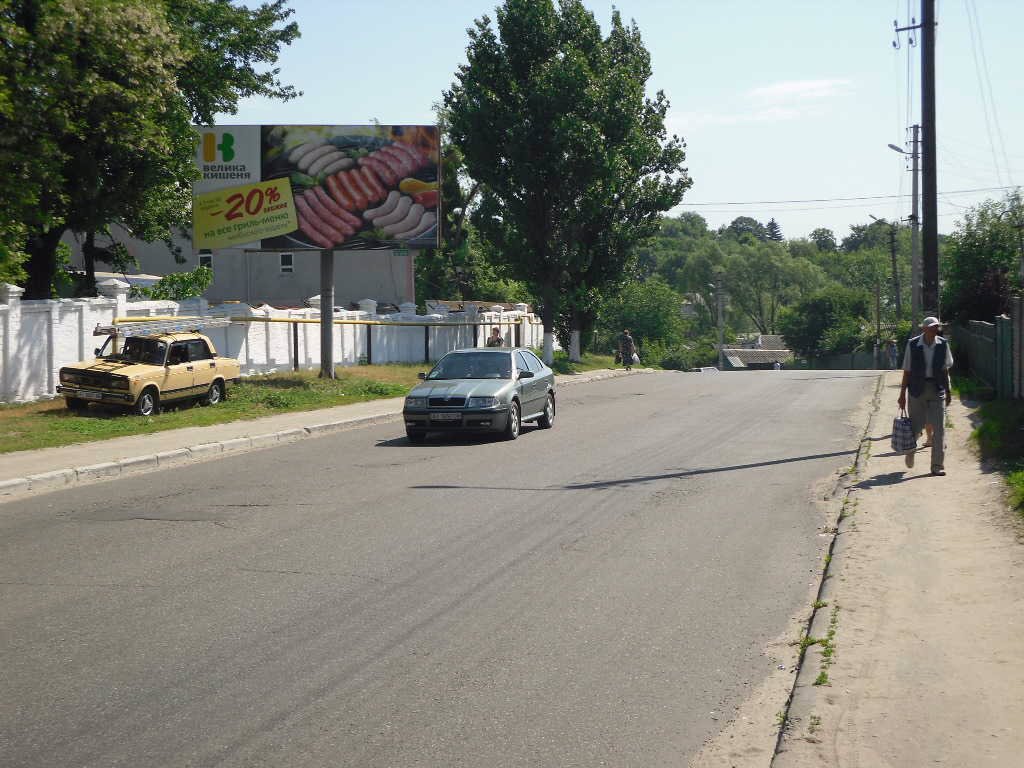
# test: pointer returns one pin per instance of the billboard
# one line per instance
(302, 187)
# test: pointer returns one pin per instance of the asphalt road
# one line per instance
(583, 596)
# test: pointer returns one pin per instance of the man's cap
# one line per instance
(928, 322)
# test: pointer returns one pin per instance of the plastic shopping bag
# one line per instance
(903, 438)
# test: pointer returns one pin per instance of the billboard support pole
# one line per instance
(327, 314)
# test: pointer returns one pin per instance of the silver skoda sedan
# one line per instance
(481, 390)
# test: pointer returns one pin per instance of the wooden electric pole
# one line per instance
(929, 191)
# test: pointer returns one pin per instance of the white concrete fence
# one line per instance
(38, 337)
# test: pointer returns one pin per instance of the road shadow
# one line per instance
(627, 482)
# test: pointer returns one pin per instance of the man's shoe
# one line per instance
(908, 457)
(939, 472)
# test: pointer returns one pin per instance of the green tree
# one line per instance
(534, 112)
(224, 47)
(829, 321)
(762, 279)
(635, 173)
(744, 229)
(98, 91)
(824, 238)
(773, 231)
(179, 286)
(101, 95)
(982, 259)
(650, 309)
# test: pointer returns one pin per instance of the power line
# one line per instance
(844, 199)
(991, 96)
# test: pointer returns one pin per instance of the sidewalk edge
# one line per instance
(810, 666)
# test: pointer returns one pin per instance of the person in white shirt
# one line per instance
(926, 364)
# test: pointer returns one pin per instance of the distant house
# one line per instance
(281, 279)
(758, 352)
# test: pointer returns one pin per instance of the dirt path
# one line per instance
(924, 618)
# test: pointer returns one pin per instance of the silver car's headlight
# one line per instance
(415, 402)
(482, 402)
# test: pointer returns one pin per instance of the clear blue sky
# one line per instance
(792, 100)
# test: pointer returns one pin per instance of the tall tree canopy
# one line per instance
(983, 259)
(551, 118)
(98, 98)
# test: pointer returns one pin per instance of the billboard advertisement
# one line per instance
(301, 187)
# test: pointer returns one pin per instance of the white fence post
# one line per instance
(11, 297)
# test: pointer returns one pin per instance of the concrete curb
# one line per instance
(63, 478)
(58, 479)
(812, 662)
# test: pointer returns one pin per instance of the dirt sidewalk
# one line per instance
(922, 662)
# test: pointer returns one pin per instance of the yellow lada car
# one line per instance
(148, 370)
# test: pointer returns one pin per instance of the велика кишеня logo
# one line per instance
(226, 147)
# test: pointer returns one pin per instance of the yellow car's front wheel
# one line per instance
(148, 403)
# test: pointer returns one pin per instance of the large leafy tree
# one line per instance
(100, 96)
(983, 258)
(635, 172)
(554, 126)
(95, 88)
(762, 278)
(826, 322)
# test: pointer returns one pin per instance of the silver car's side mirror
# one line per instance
(526, 374)
(421, 375)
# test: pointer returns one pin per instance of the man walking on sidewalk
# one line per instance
(926, 365)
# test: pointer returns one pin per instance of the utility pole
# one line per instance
(915, 246)
(721, 321)
(897, 300)
(930, 205)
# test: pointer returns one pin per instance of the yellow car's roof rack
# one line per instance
(157, 325)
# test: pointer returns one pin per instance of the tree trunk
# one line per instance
(42, 264)
(547, 316)
(574, 335)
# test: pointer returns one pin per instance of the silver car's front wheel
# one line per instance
(512, 426)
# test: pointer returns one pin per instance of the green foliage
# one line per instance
(98, 98)
(179, 286)
(1000, 437)
(761, 278)
(982, 257)
(650, 310)
(466, 266)
(824, 239)
(744, 229)
(572, 158)
(223, 44)
(827, 322)
(773, 231)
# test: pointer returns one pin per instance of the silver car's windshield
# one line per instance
(472, 365)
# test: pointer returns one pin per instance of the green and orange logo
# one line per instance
(226, 147)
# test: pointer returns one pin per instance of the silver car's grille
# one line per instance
(447, 402)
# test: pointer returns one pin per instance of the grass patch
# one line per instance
(1000, 438)
(49, 424)
(969, 387)
(590, 362)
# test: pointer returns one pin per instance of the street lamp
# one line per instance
(915, 251)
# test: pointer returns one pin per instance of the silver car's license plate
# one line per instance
(445, 416)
